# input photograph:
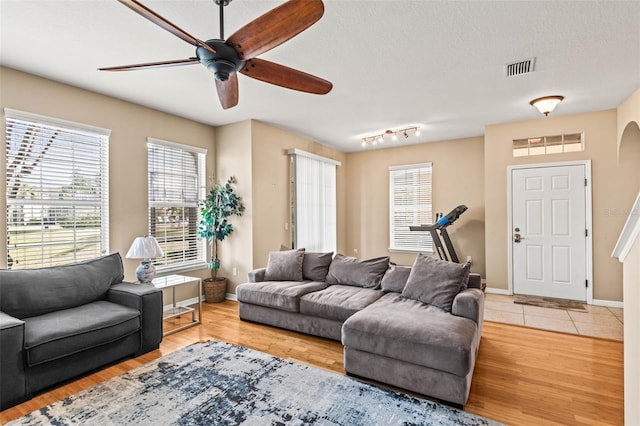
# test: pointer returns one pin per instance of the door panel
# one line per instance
(549, 214)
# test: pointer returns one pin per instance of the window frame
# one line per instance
(200, 261)
(78, 136)
(422, 240)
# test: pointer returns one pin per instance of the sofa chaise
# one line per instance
(60, 322)
(416, 328)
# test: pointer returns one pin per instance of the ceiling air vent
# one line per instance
(521, 67)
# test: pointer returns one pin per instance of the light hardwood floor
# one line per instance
(523, 376)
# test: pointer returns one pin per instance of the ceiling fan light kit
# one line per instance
(238, 54)
(546, 104)
(393, 134)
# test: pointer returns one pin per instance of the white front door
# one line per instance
(549, 242)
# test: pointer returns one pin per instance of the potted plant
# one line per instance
(220, 203)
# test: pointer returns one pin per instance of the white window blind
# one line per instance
(57, 191)
(410, 204)
(176, 185)
(314, 201)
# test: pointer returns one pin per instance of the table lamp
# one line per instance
(145, 248)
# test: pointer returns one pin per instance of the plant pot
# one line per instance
(215, 290)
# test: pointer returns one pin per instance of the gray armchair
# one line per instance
(60, 322)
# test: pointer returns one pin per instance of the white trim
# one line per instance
(491, 290)
(296, 151)
(231, 296)
(411, 166)
(588, 219)
(177, 268)
(629, 233)
(608, 303)
(189, 148)
(29, 116)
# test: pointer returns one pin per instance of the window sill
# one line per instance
(410, 251)
(174, 269)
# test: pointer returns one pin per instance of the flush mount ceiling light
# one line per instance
(393, 134)
(546, 104)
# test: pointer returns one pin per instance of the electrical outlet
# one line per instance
(355, 252)
(235, 271)
(286, 226)
(469, 259)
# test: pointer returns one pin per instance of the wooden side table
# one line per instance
(173, 281)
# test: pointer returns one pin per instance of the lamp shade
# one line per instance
(145, 248)
(546, 104)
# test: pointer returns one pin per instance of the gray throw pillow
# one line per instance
(284, 266)
(395, 278)
(315, 266)
(347, 270)
(436, 282)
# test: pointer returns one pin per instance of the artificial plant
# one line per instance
(220, 203)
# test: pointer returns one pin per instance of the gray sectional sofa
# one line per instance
(57, 323)
(416, 328)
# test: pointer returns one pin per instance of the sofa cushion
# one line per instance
(435, 281)
(348, 270)
(66, 332)
(395, 278)
(337, 302)
(284, 295)
(284, 265)
(315, 266)
(414, 332)
(32, 292)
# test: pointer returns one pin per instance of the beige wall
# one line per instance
(628, 154)
(130, 126)
(256, 153)
(233, 149)
(458, 176)
(614, 190)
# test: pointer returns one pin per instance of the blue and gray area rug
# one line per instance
(217, 383)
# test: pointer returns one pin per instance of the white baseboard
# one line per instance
(502, 291)
(194, 300)
(185, 302)
(608, 303)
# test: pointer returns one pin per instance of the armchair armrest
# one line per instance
(257, 275)
(13, 386)
(469, 303)
(148, 300)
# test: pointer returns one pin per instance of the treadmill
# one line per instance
(439, 233)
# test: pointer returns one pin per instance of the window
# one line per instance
(57, 191)
(176, 185)
(410, 203)
(313, 193)
(573, 142)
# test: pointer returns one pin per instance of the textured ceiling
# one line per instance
(392, 63)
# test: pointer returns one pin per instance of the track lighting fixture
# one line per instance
(393, 134)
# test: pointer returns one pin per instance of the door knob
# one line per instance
(517, 238)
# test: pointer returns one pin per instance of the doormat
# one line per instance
(548, 302)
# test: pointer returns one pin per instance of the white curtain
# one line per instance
(314, 202)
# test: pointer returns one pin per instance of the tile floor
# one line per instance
(596, 321)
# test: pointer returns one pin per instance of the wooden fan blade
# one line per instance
(152, 16)
(275, 27)
(176, 63)
(277, 74)
(228, 91)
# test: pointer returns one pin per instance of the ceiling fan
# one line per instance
(225, 58)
